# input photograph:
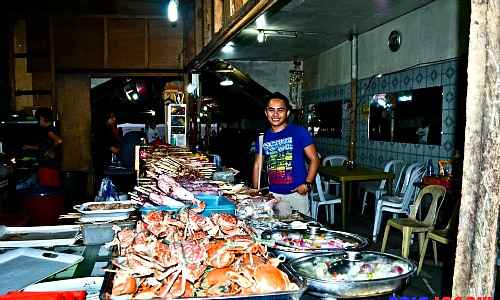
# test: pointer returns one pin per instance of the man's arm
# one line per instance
(312, 155)
(55, 138)
(256, 170)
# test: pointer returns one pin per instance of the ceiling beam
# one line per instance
(250, 11)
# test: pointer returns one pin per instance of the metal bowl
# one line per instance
(294, 253)
(345, 263)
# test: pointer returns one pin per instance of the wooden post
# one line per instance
(474, 273)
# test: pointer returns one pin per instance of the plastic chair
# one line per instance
(411, 225)
(319, 198)
(333, 160)
(444, 236)
(400, 201)
(378, 188)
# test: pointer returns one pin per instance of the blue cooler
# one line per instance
(216, 204)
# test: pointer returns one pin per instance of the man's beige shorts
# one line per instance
(289, 202)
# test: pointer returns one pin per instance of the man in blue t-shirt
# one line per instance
(284, 149)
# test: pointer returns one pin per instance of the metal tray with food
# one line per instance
(353, 274)
(106, 290)
(112, 207)
(39, 236)
(295, 243)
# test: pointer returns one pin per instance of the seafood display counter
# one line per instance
(176, 243)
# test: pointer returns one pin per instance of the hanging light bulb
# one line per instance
(261, 36)
(172, 11)
(226, 82)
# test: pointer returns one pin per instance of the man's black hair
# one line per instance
(45, 113)
(280, 96)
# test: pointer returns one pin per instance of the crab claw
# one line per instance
(200, 206)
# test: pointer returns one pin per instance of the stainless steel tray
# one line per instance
(83, 208)
(294, 253)
(290, 295)
(321, 287)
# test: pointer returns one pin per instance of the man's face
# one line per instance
(276, 112)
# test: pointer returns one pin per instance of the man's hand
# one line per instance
(301, 189)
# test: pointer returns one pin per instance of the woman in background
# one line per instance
(48, 147)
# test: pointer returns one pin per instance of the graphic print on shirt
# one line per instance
(279, 160)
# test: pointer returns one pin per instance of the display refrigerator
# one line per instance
(176, 124)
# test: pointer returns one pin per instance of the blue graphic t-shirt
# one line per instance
(284, 157)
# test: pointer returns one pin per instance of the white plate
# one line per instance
(82, 208)
(92, 285)
(24, 266)
(103, 218)
(38, 236)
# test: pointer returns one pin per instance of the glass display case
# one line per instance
(176, 124)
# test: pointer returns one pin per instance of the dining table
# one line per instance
(346, 176)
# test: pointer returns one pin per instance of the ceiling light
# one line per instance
(135, 96)
(228, 48)
(172, 11)
(261, 21)
(281, 33)
(226, 82)
(261, 37)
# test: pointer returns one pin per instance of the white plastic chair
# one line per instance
(395, 167)
(319, 198)
(399, 203)
(333, 160)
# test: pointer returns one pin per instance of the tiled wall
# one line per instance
(324, 145)
(376, 153)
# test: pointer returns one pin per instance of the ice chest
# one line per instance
(216, 204)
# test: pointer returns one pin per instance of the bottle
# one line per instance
(429, 168)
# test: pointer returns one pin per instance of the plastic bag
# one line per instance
(107, 191)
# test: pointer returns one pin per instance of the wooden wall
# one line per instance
(165, 45)
(73, 98)
(79, 43)
(122, 43)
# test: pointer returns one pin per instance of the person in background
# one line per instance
(152, 132)
(49, 144)
(112, 139)
(285, 148)
(423, 132)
